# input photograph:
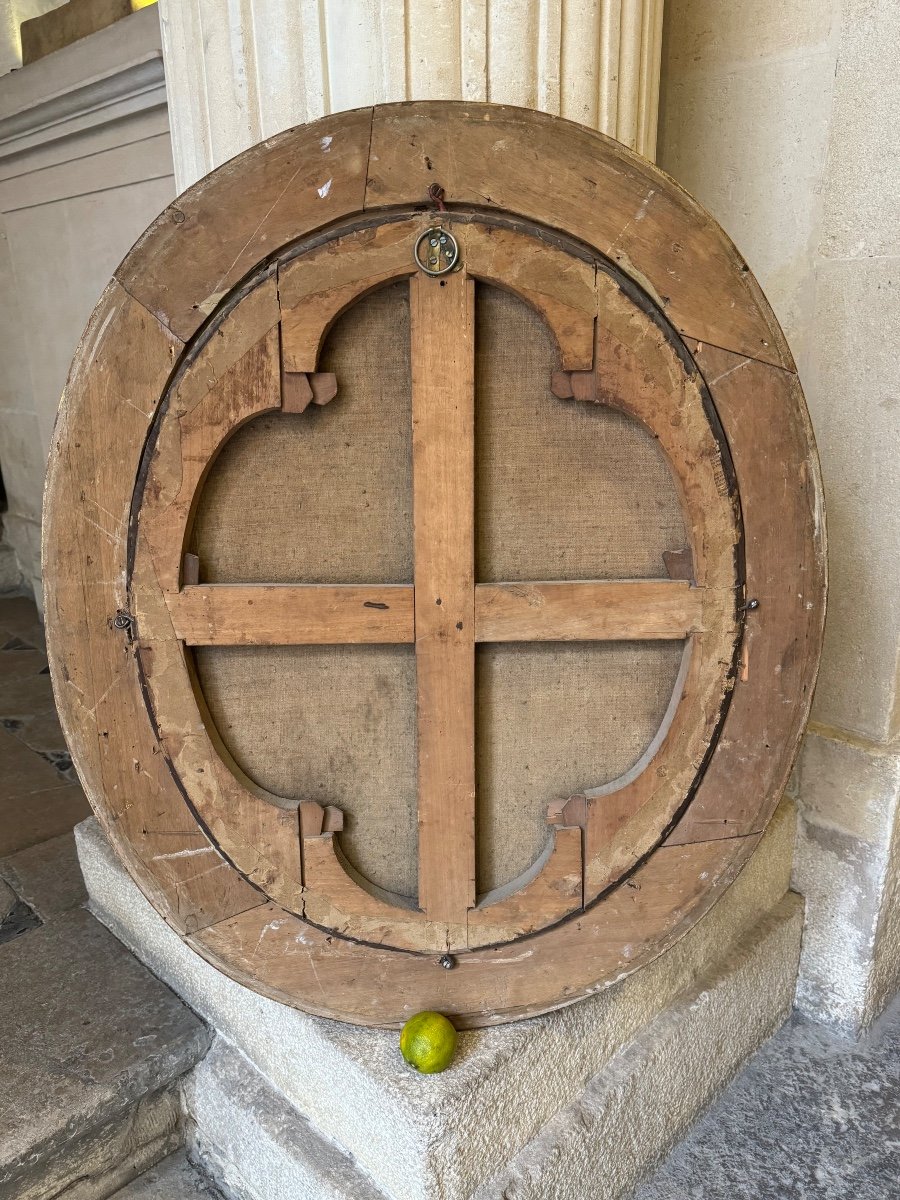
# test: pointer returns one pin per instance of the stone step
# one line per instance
(254, 1142)
(93, 1049)
(172, 1179)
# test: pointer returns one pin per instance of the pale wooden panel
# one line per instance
(555, 720)
(335, 724)
(563, 490)
(316, 287)
(786, 574)
(572, 612)
(323, 496)
(273, 615)
(315, 614)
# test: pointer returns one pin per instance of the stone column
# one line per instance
(239, 71)
(779, 119)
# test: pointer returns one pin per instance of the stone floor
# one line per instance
(92, 1046)
(40, 797)
(812, 1117)
(172, 1179)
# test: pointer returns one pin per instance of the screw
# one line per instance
(447, 961)
(750, 605)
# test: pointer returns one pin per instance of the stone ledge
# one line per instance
(649, 1094)
(406, 1131)
(91, 1046)
(256, 1143)
(172, 1179)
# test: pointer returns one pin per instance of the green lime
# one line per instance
(428, 1042)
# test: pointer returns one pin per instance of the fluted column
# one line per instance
(239, 71)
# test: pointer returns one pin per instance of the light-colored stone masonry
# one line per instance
(695, 1014)
(781, 119)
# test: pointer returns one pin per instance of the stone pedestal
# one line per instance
(288, 1105)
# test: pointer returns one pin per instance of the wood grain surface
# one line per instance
(214, 318)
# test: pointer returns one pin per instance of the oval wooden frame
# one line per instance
(196, 253)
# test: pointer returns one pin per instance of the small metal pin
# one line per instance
(750, 606)
(447, 961)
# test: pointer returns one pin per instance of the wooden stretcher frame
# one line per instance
(628, 871)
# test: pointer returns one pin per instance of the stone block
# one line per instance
(652, 1091)
(47, 876)
(705, 36)
(854, 400)
(848, 784)
(408, 1131)
(884, 979)
(92, 1047)
(813, 1116)
(862, 196)
(8, 900)
(842, 881)
(10, 575)
(24, 460)
(255, 1144)
(847, 867)
(719, 87)
(172, 1179)
(251, 1139)
(93, 1163)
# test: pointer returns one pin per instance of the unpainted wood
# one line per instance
(309, 614)
(123, 362)
(637, 370)
(318, 286)
(215, 233)
(774, 455)
(552, 890)
(296, 392)
(188, 260)
(679, 563)
(259, 832)
(281, 956)
(292, 614)
(443, 397)
(562, 288)
(580, 612)
(568, 177)
(337, 899)
(209, 403)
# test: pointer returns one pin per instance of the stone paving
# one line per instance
(92, 1046)
(40, 797)
(812, 1117)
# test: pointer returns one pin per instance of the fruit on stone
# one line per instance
(428, 1042)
